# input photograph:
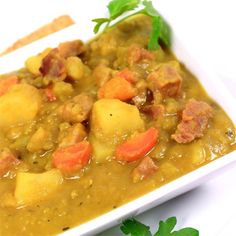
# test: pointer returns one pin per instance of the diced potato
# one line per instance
(33, 187)
(101, 150)
(63, 90)
(197, 152)
(169, 170)
(111, 122)
(75, 68)
(33, 63)
(38, 140)
(20, 105)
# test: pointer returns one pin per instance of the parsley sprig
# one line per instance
(133, 227)
(117, 8)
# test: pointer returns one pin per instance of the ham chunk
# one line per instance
(71, 48)
(194, 121)
(75, 134)
(145, 168)
(53, 65)
(136, 54)
(166, 79)
(77, 109)
(7, 161)
(154, 111)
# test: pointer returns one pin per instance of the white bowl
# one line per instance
(211, 83)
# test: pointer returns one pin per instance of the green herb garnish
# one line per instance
(116, 8)
(133, 227)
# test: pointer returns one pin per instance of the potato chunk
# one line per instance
(21, 104)
(112, 121)
(33, 63)
(34, 187)
(75, 68)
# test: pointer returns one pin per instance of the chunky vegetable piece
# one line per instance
(72, 158)
(109, 125)
(117, 88)
(32, 188)
(7, 83)
(138, 146)
(19, 105)
(33, 63)
(75, 68)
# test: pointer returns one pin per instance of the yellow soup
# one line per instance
(88, 128)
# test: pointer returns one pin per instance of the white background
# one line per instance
(207, 28)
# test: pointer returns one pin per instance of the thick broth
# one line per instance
(102, 187)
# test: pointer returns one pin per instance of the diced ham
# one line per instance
(7, 83)
(153, 110)
(145, 168)
(136, 54)
(75, 134)
(53, 65)
(71, 48)
(77, 109)
(166, 79)
(7, 161)
(194, 121)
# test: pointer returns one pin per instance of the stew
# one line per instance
(86, 128)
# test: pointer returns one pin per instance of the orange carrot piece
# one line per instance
(138, 146)
(7, 83)
(117, 88)
(49, 94)
(127, 75)
(72, 158)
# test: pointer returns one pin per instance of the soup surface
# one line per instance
(86, 128)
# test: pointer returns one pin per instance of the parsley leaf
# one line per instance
(155, 34)
(160, 29)
(118, 7)
(186, 232)
(99, 22)
(135, 228)
(149, 9)
(165, 227)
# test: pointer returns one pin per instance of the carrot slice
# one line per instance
(6, 84)
(127, 75)
(117, 88)
(72, 158)
(138, 146)
(49, 94)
